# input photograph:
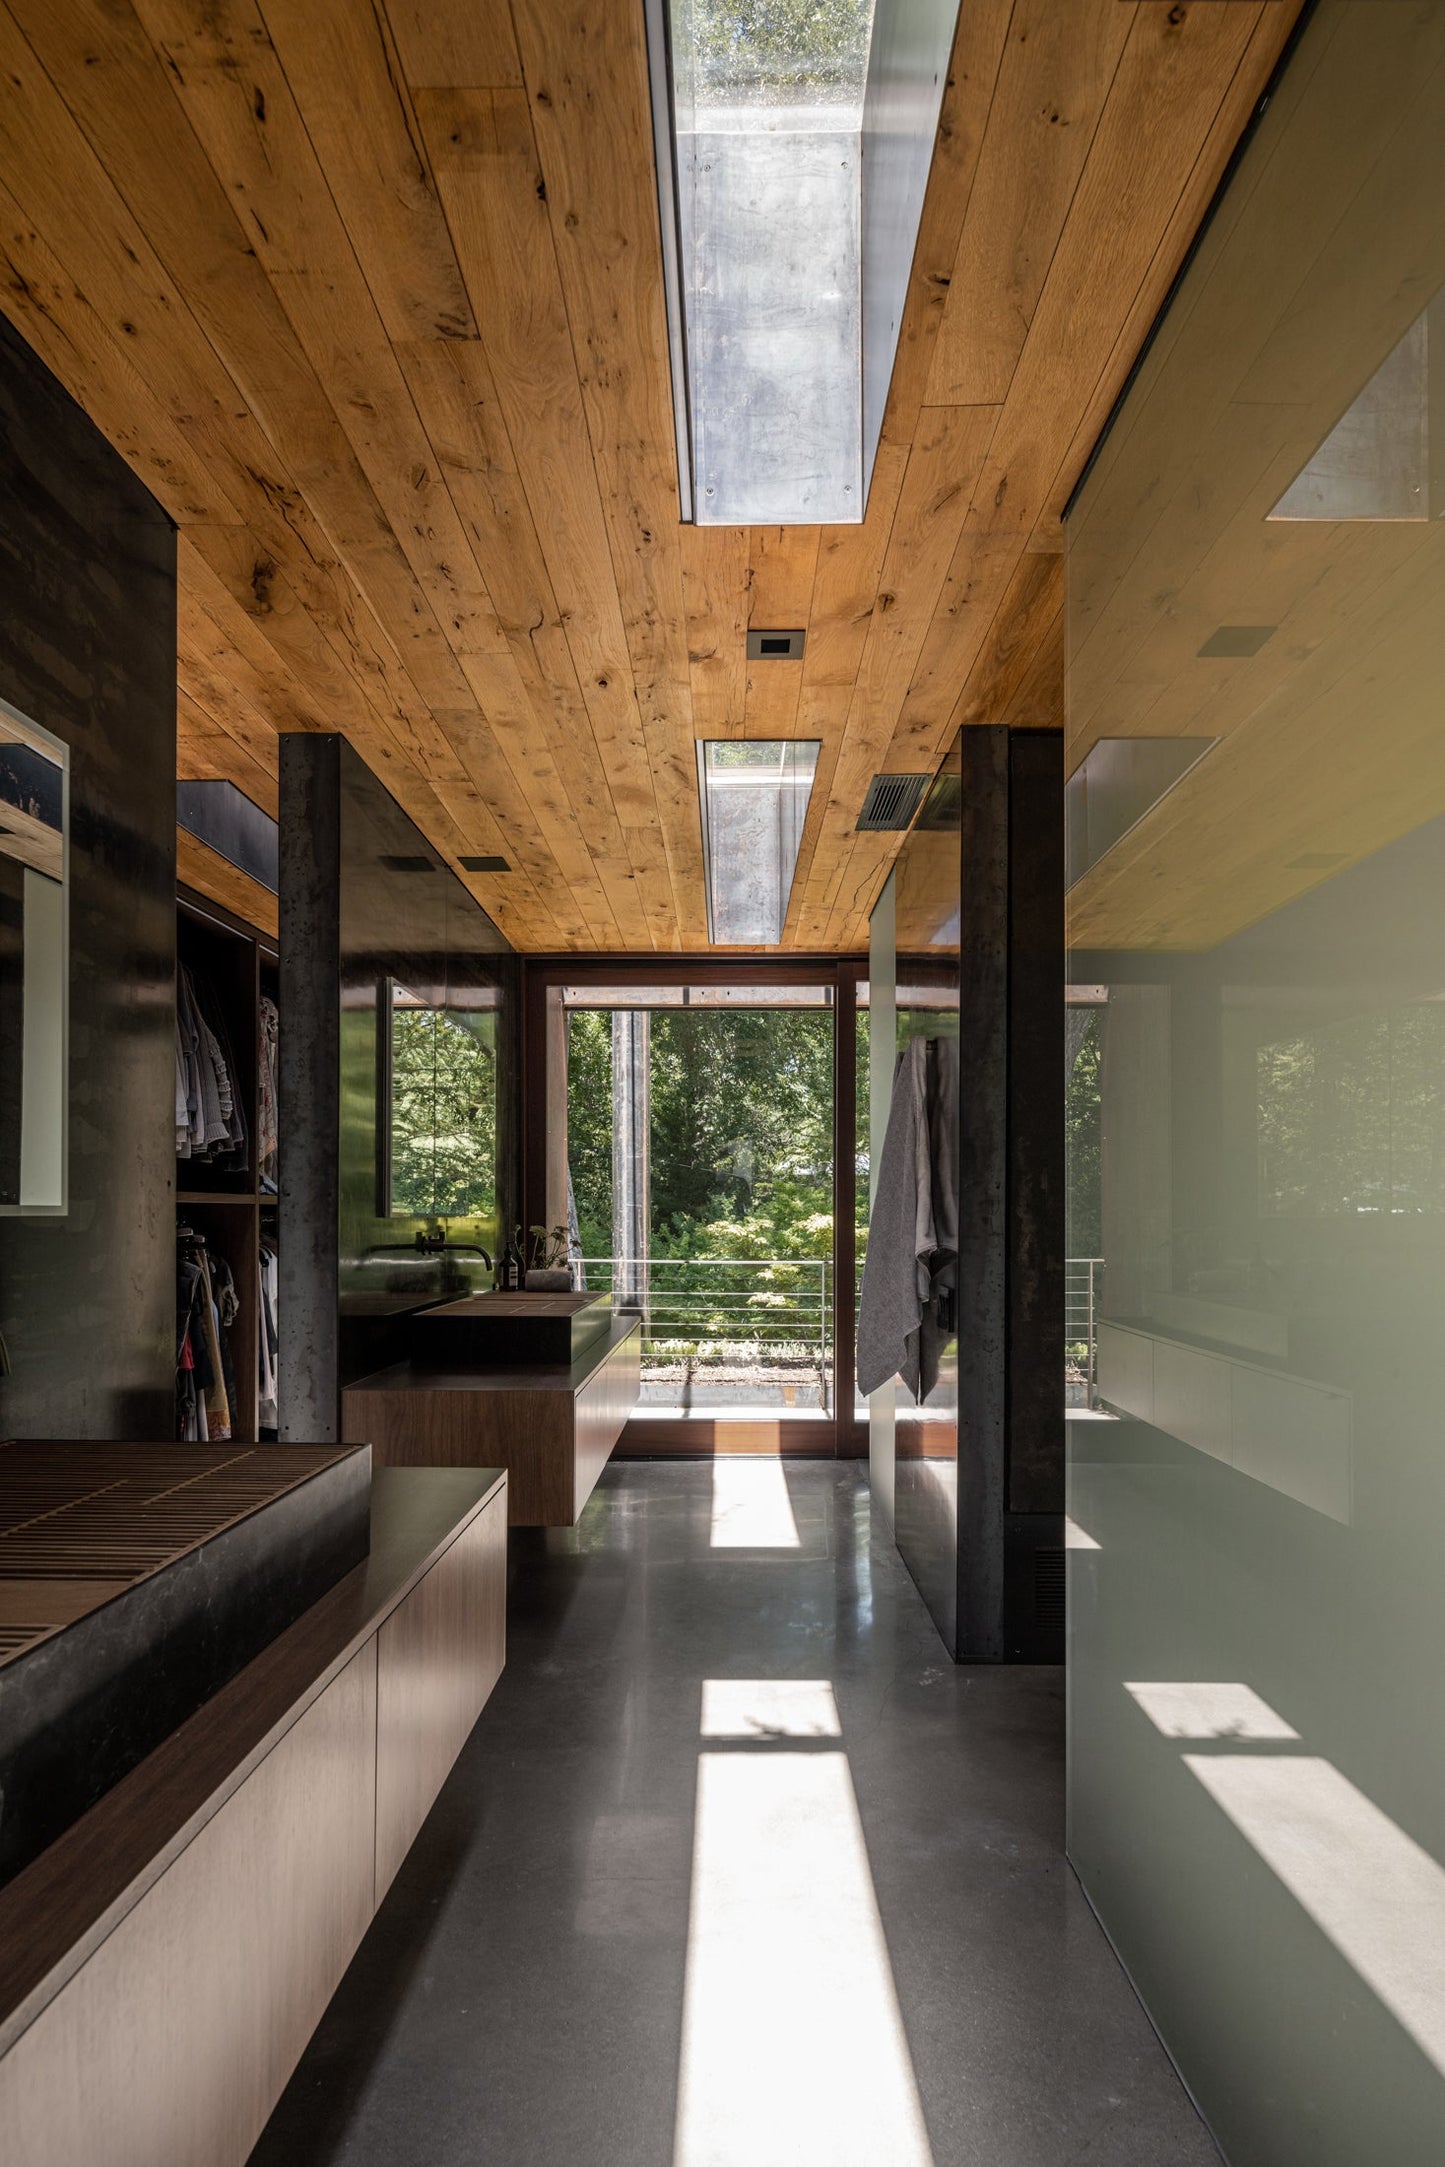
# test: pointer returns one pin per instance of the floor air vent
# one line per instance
(891, 803)
(1049, 1589)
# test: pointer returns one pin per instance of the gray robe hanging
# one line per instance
(911, 1264)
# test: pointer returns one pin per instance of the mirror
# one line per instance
(34, 964)
(438, 1093)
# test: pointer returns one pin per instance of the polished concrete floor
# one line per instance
(738, 1869)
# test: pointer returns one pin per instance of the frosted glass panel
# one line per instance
(1257, 1498)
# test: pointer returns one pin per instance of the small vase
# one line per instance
(557, 1280)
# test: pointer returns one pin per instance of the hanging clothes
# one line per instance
(207, 1306)
(210, 1120)
(268, 1136)
(269, 1342)
(194, 1375)
(908, 1295)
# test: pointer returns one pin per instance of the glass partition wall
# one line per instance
(1256, 575)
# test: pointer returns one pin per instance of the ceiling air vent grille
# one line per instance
(891, 803)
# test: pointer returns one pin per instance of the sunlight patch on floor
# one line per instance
(793, 2046)
(769, 1708)
(751, 1508)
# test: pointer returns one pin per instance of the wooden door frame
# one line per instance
(542, 977)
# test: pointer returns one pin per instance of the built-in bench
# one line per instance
(164, 1962)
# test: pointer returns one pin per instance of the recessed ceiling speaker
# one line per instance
(891, 803)
(776, 646)
(484, 865)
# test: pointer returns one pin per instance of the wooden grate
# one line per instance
(116, 1513)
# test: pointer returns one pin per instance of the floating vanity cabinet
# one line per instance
(551, 1425)
(164, 1962)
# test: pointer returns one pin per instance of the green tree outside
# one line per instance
(741, 1152)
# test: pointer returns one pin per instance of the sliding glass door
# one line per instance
(691, 1154)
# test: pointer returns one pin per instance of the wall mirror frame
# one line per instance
(34, 968)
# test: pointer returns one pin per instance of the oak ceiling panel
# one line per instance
(715, 576)
(369, 292)
(205, 750)
(485, 158)
(1056, 71)
(119, 92)
(586, 70)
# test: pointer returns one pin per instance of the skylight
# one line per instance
(754, 802)
(787, 242)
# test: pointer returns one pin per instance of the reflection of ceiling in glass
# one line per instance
(1375, 462)
(754, 801)
(32, 801)
(1115, 785)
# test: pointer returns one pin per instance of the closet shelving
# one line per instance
(230, 1208)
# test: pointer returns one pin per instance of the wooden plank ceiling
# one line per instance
(369, 293)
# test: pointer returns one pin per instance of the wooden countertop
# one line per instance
(63, 1905)
(524, 1377)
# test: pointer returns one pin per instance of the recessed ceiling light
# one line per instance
(754, 795)
(397, 864)
(1237, 640)
(484, 865)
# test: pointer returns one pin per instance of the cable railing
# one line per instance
(746, 1315)
(1083, 1279)
(770, 1318)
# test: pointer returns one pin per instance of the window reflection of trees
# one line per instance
(1351, 1116)
(443, 1112)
